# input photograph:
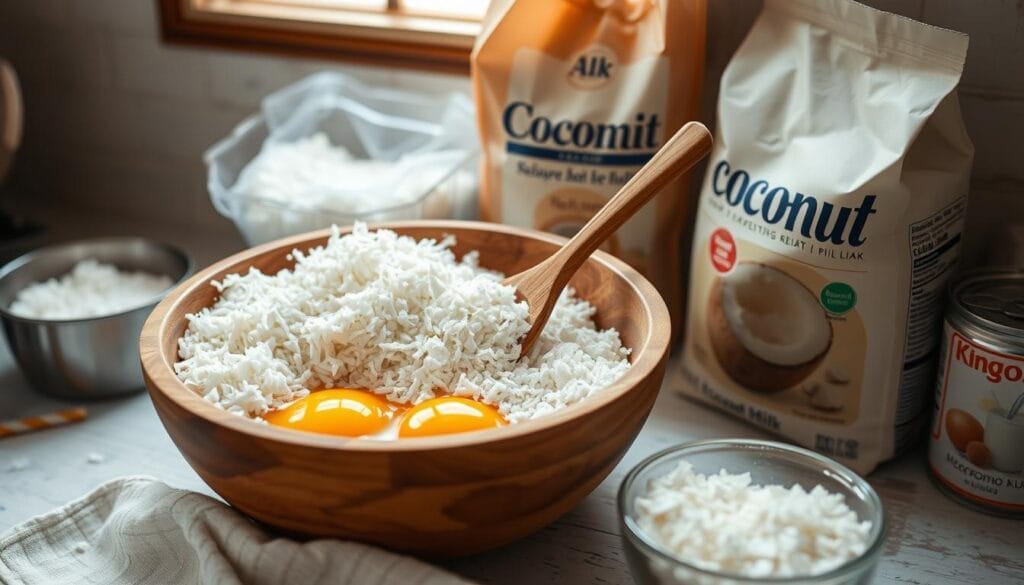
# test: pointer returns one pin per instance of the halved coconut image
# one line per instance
(767, 330)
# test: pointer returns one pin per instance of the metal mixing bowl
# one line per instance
(84, 358)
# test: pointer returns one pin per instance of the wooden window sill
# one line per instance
(316, 28)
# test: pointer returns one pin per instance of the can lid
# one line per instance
(992, 298)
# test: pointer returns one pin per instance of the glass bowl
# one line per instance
(768, 462)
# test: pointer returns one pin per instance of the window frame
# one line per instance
(310, 28)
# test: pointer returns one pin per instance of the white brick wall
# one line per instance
(117, 120)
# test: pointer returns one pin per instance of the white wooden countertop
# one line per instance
(932, 540)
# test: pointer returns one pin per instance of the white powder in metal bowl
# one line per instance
(396, 316)
(91, 289)
(723, 523)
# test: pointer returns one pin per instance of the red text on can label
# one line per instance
(977, 437)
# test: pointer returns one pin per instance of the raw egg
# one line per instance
(963, 428)
(446, 415)
(339, 411)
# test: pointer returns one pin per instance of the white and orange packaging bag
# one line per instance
(573, 97)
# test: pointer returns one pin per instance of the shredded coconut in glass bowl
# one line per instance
(398, 317)
(725, 523)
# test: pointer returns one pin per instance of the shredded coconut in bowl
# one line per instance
(725, 523)
(91, 289)
(396, 316)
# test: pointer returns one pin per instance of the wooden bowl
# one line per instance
(440, 496)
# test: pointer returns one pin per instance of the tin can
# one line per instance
(976, 450)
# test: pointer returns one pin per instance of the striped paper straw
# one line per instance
(37, 423)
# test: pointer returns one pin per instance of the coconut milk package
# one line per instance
(829, 221)
(573, 97)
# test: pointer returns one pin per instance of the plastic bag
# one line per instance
(424, 149)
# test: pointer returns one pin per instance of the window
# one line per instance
(424, 34)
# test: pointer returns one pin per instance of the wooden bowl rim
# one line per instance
(652, 349)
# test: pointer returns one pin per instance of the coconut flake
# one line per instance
(91, 289)
(725, 523)
(396, 316)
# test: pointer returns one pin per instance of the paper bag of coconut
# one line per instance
(829, 222)
(573, 97)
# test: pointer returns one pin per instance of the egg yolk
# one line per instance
(446, 415)
(339, 411)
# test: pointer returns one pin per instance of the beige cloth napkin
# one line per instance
(139, 531)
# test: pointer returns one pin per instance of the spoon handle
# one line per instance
(11, 115)
(687, 146)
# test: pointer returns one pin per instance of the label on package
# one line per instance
(977, 441)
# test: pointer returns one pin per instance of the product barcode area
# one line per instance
(836, 446)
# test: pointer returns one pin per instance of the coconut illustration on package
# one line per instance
(767, 330)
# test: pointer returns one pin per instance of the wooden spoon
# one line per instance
(10, 116)
(541, 285)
